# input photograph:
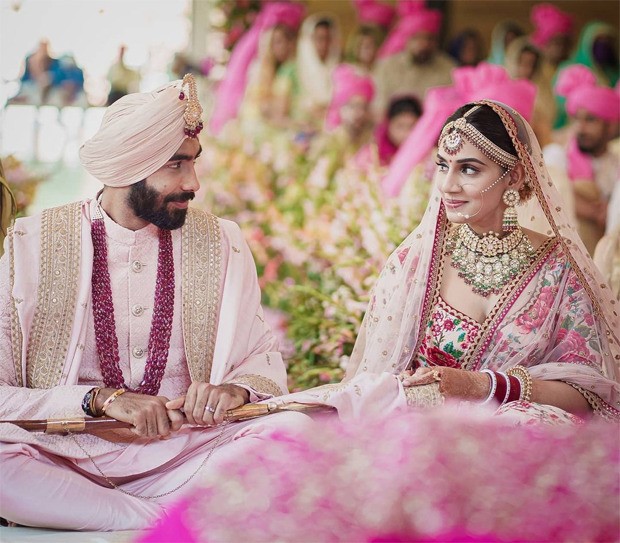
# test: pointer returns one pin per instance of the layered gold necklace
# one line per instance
(488, 263)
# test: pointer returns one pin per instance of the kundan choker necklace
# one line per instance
(103, 311)
(488, 263)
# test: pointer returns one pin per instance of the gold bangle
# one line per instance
(93, 402)
(521, 373)
(111, 398)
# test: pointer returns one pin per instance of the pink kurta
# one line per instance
(245, 350)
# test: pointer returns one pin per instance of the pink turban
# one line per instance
(232, 89)
(347, 84)
(418, 20)
(138, 135)
(549, 21)
(373, 12)
(578, 85)
(485, 81)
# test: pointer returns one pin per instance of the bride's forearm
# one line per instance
(560, 395)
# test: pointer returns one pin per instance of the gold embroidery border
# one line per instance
(261, 384)
(516, 286)
(201, 271)
(434, 280)
(16, 331)
(59, 270)
(599, 406)
(424, 395)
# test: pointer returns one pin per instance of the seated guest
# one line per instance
(410, 61)
(553, 36)
(271, 83)
(375, 19)
(607, 253)
(466, 48)
(524, 61)
(586, 160)
(348, 123)
(597, 49)
(401, 116)
(318, 54)
(133, 306)
(503, 34)
(363, 48)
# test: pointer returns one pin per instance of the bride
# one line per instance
(473, 307)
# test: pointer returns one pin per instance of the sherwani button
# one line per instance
(138, 352)
(137, 310)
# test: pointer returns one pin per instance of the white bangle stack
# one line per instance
(493, 384)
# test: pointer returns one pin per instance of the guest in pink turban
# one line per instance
(373, 12)
(375, 19)
(351, 96)
(409, 59)
(587, 159)
(553, 32)
(348, 120)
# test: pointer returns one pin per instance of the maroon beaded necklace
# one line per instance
(103, 311)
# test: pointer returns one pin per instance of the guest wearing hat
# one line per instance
(134, 306)
(597, 49)
(409, 59)
(375, 19)
(348, 122)
(586, 159)
(553, 33)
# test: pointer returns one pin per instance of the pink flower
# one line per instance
(572, 341)
(448, 325)
(536, 315)
(588, 319)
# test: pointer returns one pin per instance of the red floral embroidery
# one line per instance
(438, 357)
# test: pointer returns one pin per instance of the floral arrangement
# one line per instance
(22, 181)
(238, 17)
(319, 241)
(386, 481)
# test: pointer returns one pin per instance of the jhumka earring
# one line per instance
(511, 198)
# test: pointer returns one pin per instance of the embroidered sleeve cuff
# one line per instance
(259, 387)
(600, 407)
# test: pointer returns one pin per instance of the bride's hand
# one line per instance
(453, 383)
(422, 376)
